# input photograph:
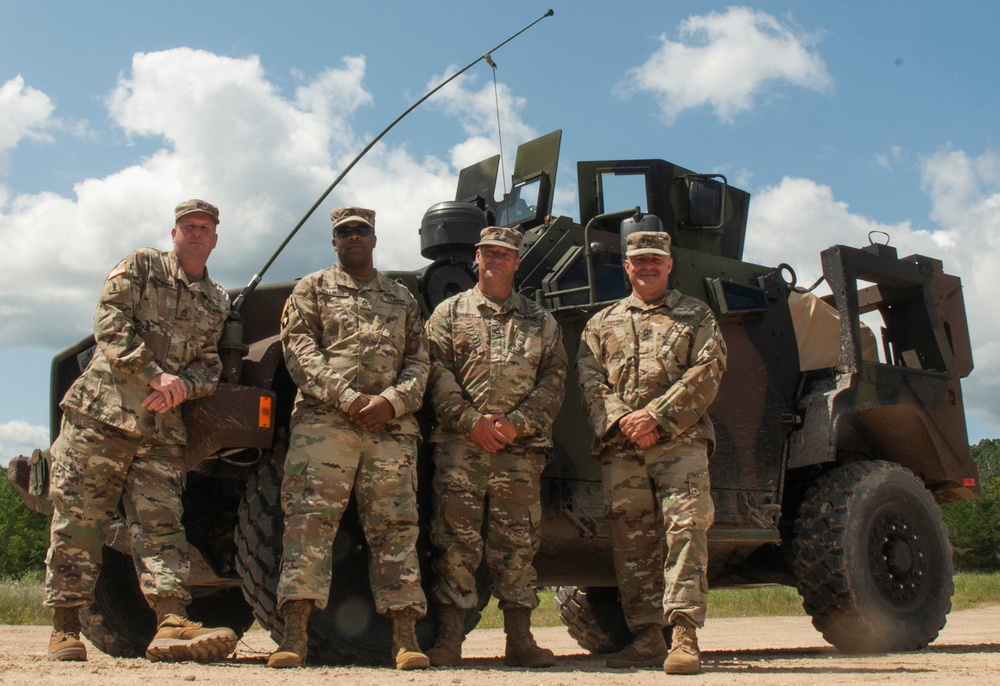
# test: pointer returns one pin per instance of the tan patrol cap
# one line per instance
(195, 205)
(500, 236)
(647, 243)
(353, 215)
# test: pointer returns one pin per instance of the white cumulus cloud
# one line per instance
(18, 437)
(24, 113)
(728, 61)
(222, 131)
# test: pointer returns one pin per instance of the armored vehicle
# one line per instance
(837, 438)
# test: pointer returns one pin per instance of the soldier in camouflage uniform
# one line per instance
(497, 377)
(355, 345)
(122, 438)
(649, 367)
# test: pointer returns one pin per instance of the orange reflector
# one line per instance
(264, 417)
(969, 481)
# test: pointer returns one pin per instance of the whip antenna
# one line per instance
(234, 313)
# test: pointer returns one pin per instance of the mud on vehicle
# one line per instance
(836, 439)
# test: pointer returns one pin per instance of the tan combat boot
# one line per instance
(647, 650)
(447, 650)
(405, 649)
(522, 651)
(65, 643)
(684, 657)
(178, 639)
(295, 639)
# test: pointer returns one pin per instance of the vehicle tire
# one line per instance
(872, 559)
(121, 623)
(348, 629)
(594, 617)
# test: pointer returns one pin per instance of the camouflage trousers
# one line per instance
(660, 508)
(94, 467)
(470, 483)
(327, 459)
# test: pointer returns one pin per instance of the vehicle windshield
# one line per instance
(521, 205)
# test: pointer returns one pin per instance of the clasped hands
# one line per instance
(640, 428)
(370, 412)
(168, 392)
(493, 432)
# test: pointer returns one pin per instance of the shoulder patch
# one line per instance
(120, 269)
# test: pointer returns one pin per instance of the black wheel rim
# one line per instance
(897, 557)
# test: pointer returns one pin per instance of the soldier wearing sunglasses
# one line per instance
(355, 345)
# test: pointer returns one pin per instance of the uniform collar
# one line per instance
(511, 303)
(342, 278)
(669, 301)
(178, 273)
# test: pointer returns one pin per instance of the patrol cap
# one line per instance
(500, 236)
(195, 205)
(353, 215)
(647, 243)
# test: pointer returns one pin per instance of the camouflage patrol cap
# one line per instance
(195, 205)
(353, 215)
(500, 236)
(647, 243)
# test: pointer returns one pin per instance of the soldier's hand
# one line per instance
(357, 405)
(637, 424)
(647, 440)
(168, 391)
(503, 425)
(156, 402)
(375, 414)
(487, 436)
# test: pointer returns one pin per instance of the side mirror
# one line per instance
(706, 201)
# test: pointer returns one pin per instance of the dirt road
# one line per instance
(784, 650)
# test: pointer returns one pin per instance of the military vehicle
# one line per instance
(834, 445)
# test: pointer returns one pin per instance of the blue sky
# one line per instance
(839, 119)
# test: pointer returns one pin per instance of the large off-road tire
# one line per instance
(872, 559)
(594, 617)
(121, 623)
(348, 630)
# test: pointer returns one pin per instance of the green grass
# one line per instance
(21, 601)
(971, 590)
(975, 590)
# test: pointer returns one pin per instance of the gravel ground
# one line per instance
(781, 650)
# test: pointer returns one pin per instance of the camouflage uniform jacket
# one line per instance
(342, 338)
(666, 357)
(152, 318)
(501, 359)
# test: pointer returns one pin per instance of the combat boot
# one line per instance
(684, 657)
(647, 650)
(65, 643)
(295, 639)
(405, 649)
(178, 639)
(521, 650)
(447, 650)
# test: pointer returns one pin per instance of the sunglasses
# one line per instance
(348, 231)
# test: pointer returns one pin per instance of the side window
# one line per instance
(623, 192)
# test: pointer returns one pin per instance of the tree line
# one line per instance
(973, 525)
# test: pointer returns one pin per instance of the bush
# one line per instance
(24, 535)
(974, 525)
